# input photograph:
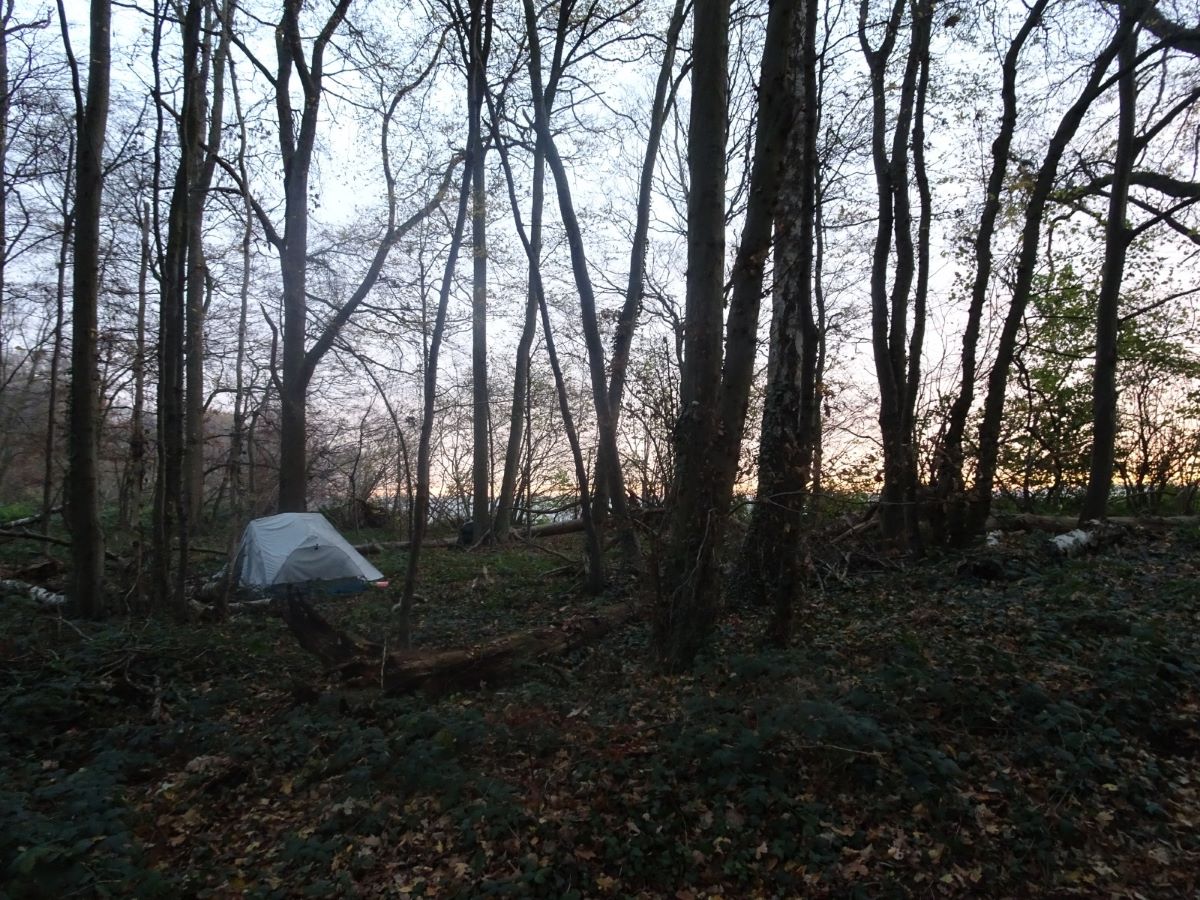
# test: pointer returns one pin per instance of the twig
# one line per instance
(27, 535)
(537, 546)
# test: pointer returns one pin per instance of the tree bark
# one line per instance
(627, 318)
(770, 568)
(172, 524)
(889, 310)
(1108, 302)
(595, 552)
(605, 425)
(202, 116)
(83, 494)
(137, 422)
(479, 40)
(5, 105)
(516, 420)
(49, 478)
(512, 456)
(296, 148)
(714, 401)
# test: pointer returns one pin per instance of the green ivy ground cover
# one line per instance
(1005, 725)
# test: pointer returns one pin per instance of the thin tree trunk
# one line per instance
(923, 24)
(512, 455)
(478, 40)
(5, 105)
(137, 423)
(1108, 303)
(421, 506)
(238, 438)
(173, 519)
(592, 544)
(889, 311)
(197, 272)
(635, 289)
(49, 477)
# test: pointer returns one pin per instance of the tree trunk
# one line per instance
(664, 92)
(889, 312)
(771, 565)
(5, 105)
(1108, 303)
(197, 272)
(592, 543)
(512, 454)
(948, 515)
(296, 147)
(481, 513)
(173, 512)
(83, 496)
(714, 402)
(137, 423)
(686, 609)
(49, 477)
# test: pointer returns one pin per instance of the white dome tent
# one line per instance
(298, 548)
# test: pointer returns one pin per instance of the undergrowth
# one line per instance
(1003, 723)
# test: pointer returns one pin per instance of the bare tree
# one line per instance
(605, 423)
(593, 548)
(296, 132)
(948, 514)
(897, 359)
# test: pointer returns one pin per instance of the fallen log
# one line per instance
(1096, 536)
(1031, 522)
(29, 520)
(373, 547)
(39, 594)
(551, 529)
(438, 671)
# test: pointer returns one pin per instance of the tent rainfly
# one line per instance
(293, 548)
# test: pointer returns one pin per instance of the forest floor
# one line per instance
(1000, 723)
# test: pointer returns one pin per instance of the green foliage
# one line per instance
(1046, 450)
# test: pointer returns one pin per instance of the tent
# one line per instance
(294, 548)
